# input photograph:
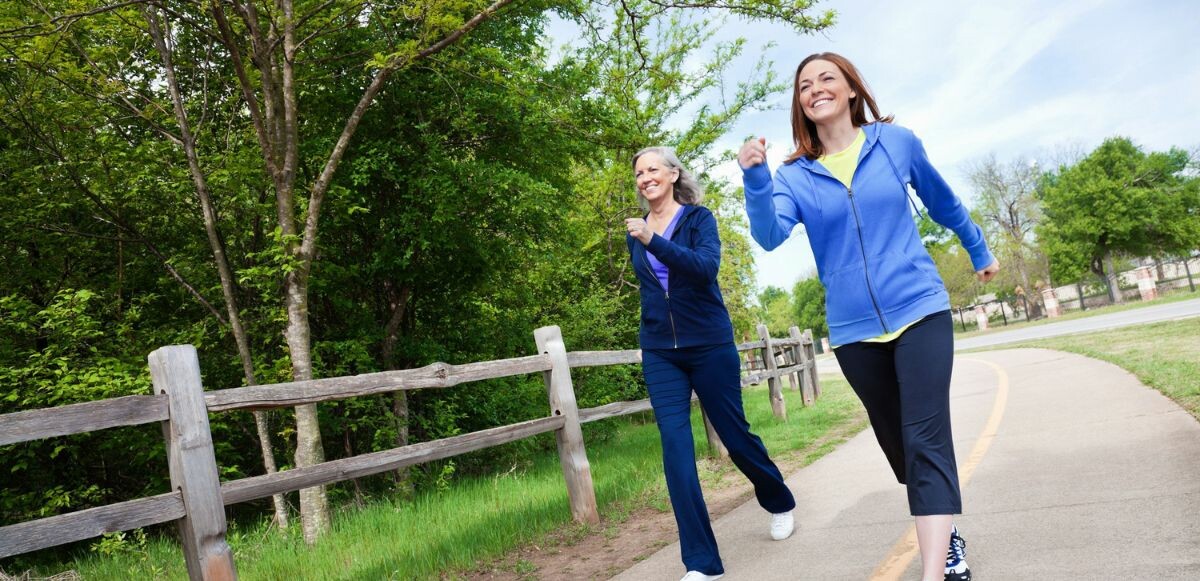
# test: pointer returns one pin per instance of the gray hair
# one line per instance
(687, 189)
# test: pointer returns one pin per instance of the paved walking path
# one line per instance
(1072, 469)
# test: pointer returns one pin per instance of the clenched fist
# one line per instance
(753, 152)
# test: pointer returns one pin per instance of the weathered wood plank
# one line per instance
(801, 377)
(716, 447)
(810, 355)
(93, 522)
(77, 418)
(761, 376)
(751, 379)
(598, 358)
(375, 462)
(572, 455)
(750, 345)
(333, 388)
(612, 410)
(774, 390)
(175, 372)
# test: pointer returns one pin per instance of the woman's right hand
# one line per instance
(753, 152)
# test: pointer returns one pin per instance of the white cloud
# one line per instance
(1016, 79)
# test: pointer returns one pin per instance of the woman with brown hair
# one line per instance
(888, 311)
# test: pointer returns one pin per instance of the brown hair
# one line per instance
(804, 131)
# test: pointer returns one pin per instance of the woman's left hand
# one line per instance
(988, 271)
(638, 228)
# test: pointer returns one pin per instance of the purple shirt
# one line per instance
(660, 269)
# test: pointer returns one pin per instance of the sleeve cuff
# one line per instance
(757, 178)
(980, 260)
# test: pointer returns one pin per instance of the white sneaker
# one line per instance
(782, 525)
(698, 576)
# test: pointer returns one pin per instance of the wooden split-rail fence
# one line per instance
(198, 498)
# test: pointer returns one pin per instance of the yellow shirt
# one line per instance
(842, 165)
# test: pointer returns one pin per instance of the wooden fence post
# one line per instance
(571, 453)
(773, 388)
(175, 371)
(796, 378)
(801, 354)
(716, 447)
(810, 353)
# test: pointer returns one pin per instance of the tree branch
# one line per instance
(67, 20)
(321, 185)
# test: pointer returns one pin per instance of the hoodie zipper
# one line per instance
(666, 294)
(862, 245)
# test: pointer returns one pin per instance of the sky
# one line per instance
(1016, 79)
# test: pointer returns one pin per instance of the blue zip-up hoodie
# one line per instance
(693, 312)
(877, 275)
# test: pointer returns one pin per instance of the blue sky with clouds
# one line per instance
(1017, 79)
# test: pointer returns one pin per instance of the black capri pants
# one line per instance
(905, 386)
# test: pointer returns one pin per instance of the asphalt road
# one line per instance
(1166, 312)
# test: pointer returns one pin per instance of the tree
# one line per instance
(774, 310)
(808, 305)
(243, 116)
(1118, 200)
(1008, 204)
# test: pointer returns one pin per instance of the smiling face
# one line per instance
(655, 180)
(823, 93)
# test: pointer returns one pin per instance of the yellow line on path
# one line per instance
(906, 549)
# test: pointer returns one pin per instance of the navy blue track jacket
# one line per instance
(692, 313)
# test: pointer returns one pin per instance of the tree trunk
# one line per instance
(1033, 309)
(1112, 280)
(277, 128)
(314, 505)
(224, 272)
(348, 450)
(399, 304)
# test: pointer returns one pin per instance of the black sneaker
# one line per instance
(956, 558)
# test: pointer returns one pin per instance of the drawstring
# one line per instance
(903, 184)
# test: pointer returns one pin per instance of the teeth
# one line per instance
(820, 102)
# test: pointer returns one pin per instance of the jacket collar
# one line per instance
(872, 131)
(684, 211)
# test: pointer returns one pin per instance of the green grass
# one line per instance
(479, 519)
(1174, 296)
(1165, 356)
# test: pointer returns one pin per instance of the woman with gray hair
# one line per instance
(687, 345)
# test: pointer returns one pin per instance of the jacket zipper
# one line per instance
(666, 294)
(862, 245)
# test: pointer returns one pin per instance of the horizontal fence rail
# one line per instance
(334, 388)
(78, 418)
(375, 462)
(197, 499)
(93, 522)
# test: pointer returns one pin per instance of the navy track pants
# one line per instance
(713, 371)
(905, 386)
